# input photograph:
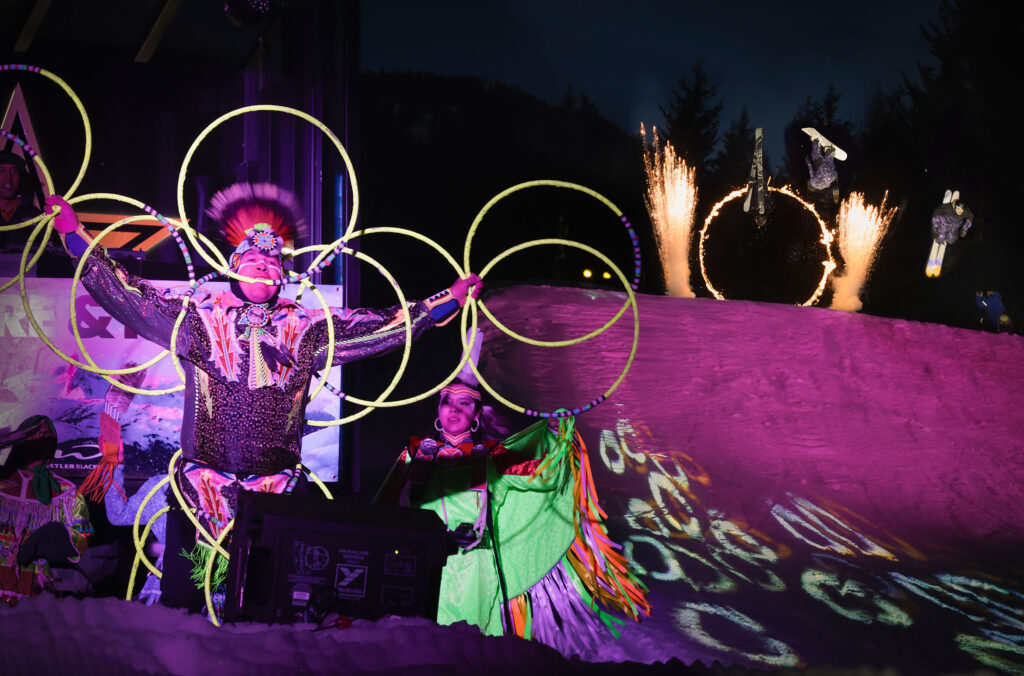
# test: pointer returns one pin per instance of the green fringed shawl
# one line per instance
(532, 524)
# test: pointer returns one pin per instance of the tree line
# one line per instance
(951, 125)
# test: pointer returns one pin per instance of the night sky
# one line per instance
(626, 57)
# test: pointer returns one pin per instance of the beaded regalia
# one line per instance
(247, 365)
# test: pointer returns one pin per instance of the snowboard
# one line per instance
(825, 144)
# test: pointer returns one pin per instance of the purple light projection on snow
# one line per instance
(797, 486)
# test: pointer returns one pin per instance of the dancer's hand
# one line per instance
(66, 219)
(463, 287)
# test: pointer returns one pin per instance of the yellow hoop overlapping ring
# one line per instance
(24, 265)
(21, 68)
(326, 250)
(214, 257)
(406, 349)
(91, 366)
(44, 222)
(220, 264)
(140, 541)
(826, 240)
(107, 373)
(476, 223)
(631, 300)
(419, 397)
(501, 327)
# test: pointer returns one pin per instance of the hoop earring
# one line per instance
(476, 425)
(437, 425)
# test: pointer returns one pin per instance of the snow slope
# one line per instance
(799, 487)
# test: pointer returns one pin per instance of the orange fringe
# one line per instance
(629, 592)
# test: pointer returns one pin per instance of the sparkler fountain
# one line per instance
(861, 228)
(671, 201)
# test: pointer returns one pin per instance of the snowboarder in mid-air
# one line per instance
(950, 222)
(758, 196)
(821, 164)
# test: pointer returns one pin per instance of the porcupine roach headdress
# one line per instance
(260, 216)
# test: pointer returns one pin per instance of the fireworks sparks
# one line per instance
(671, 202)
(861, 227)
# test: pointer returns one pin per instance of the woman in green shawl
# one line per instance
(534, 557)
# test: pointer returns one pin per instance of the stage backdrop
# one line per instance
(34, 380)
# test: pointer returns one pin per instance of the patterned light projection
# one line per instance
(736, 593)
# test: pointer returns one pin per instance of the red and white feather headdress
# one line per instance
(260, 216)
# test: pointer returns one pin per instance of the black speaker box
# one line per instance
(298, 558)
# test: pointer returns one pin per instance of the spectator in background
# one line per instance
(43, 520)
(15, 204)
(994, 317)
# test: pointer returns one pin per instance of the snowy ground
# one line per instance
(799, 488)
(108, 636)
(802, 486)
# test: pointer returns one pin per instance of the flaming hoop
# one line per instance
(827, 236)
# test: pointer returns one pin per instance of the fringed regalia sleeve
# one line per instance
(366, 332)
(144, 309)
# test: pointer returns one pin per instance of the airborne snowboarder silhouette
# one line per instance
(821, 163)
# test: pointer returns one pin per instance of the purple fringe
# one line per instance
(560, 618)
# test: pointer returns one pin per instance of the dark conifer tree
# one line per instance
(886, 146)
(732, 163)
(691, 121)
(965, 123)
(823, 115)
